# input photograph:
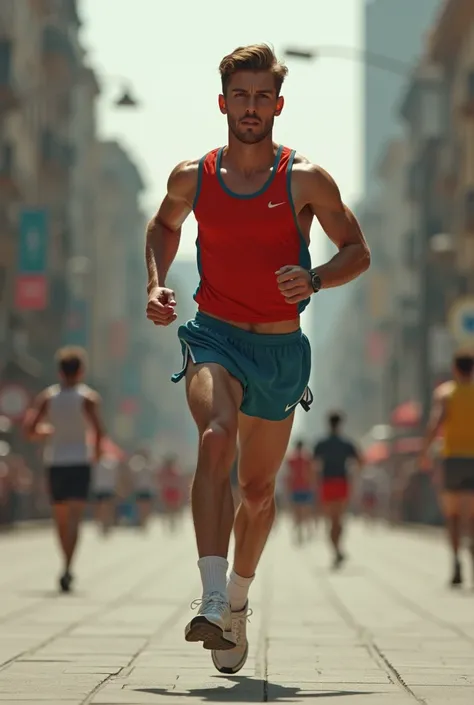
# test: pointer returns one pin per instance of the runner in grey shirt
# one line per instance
(61, 417)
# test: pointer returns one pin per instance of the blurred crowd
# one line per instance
(125, 489)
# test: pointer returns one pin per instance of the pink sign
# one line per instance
(31, 292)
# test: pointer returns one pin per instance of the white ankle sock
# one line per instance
(213, 574)
(238, 590)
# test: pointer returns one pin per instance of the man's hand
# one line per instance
(294, 283)
(161, 306)
(43, 431)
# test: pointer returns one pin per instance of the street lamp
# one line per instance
(126, 97)
(366, 57)
(126, 100)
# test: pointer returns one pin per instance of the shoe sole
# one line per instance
(212, 636)
(231, 670)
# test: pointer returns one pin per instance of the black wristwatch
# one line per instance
(315, 280)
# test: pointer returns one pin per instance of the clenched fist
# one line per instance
(161, 306)
(294, 283)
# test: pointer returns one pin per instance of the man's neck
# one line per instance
(464, 381)
(250, 158)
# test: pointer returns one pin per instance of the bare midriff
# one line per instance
(273, 328)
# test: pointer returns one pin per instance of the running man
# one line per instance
(453, 412)
(246, 361)
(332, 454)
(61, 416)
(301, 490)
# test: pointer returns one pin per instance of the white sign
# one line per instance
(461, 320)
(14, 401)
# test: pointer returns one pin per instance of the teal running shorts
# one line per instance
(273, 370)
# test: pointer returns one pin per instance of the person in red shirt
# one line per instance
(246, 361)
(301, 488)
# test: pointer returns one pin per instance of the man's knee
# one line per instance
(258, 496)
(218, 442)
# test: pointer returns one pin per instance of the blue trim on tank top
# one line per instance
(196, 197)
(199, 180)
(305, 256)
(261, 190)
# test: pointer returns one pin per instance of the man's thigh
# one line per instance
(262, 448)
(334, 509)
(213, 394)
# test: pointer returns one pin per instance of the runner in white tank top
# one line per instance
(67, 445)
(61, 416)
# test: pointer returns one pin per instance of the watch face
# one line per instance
(316, 282)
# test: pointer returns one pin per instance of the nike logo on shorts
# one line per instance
(290, 406)
(274, 205)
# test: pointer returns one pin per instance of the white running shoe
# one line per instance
(213, 623)
(232, 660)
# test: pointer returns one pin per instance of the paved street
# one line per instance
(385, 630)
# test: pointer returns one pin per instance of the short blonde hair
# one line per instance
(255, 57)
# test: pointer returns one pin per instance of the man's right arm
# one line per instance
(164, 229)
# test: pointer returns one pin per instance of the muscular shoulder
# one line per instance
(444, 391)
(89, 394)
(183, 180)
(312, 181)
(48, 393)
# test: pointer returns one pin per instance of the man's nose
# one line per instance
(251, 104)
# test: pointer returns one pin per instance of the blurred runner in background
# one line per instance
(61, 416)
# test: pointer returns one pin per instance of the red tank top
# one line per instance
(243, 240)
(299, 465)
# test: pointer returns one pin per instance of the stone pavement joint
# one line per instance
(367, 640)
(383, 629)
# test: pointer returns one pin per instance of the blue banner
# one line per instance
(33, 242)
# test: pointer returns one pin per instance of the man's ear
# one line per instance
(222, 105)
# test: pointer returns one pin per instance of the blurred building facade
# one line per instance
(374, 348)
(71, 228)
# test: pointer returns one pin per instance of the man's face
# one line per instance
(251, 105)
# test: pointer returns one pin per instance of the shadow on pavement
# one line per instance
(250, 690)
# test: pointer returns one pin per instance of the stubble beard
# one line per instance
(249, 137)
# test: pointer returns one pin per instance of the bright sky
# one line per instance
(170, 53)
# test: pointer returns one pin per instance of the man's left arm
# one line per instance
(356, 454)
(318, 191)
(341, 227)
